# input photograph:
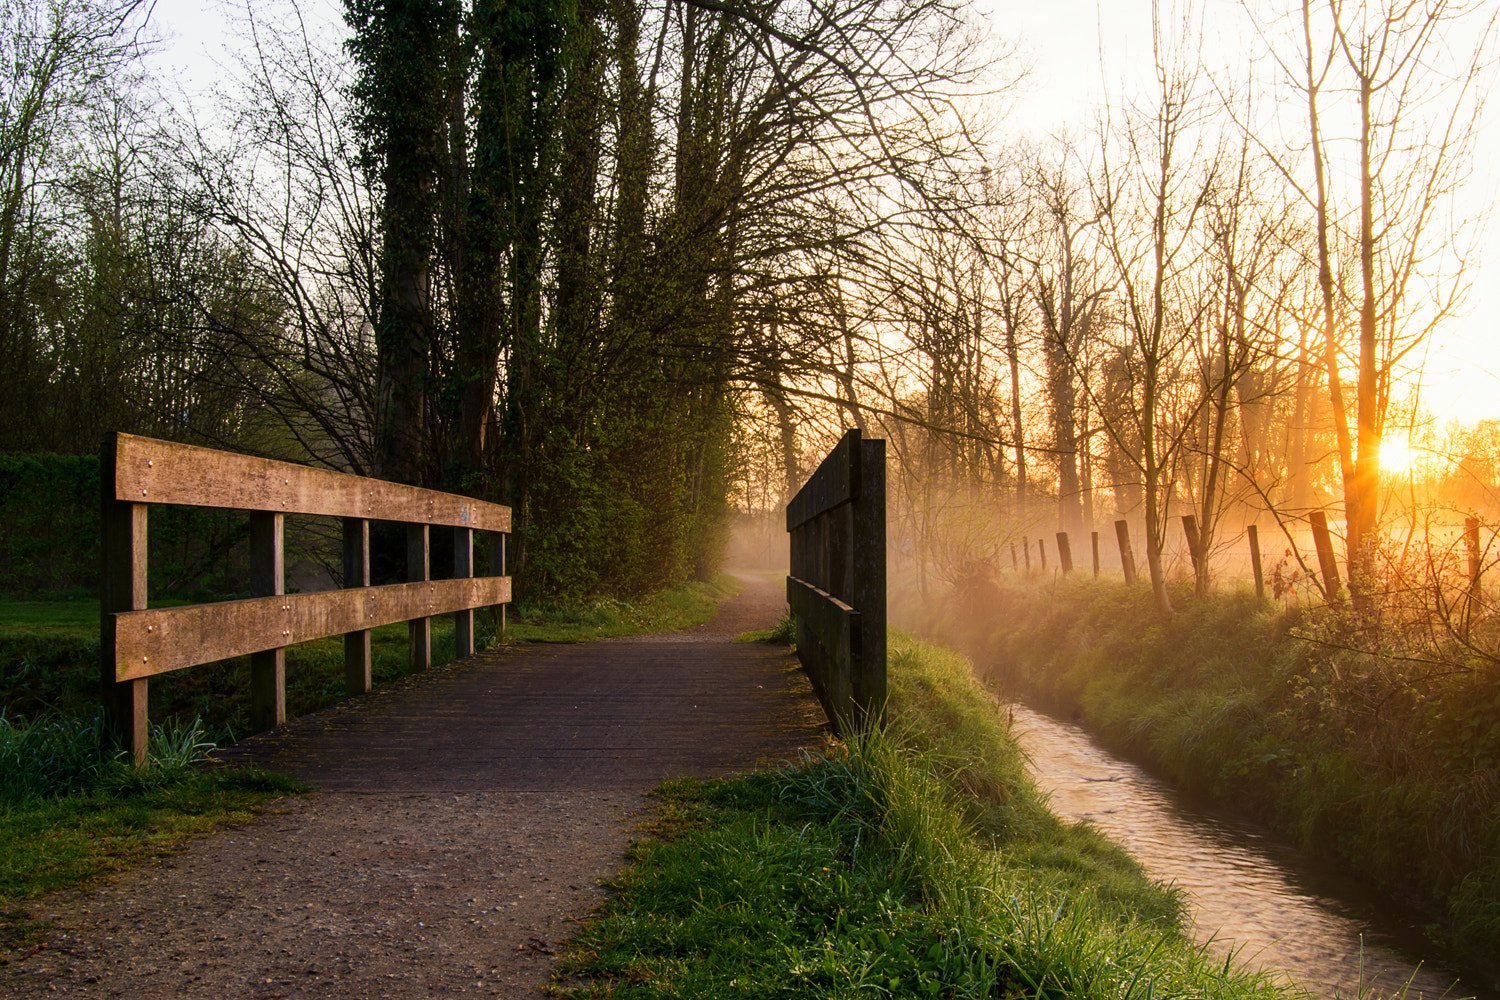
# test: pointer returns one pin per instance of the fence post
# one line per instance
(122, 587)
(1127, 557)
(1094, 541)
(1064, 552)
(497, 567)
(357, 679)
(1260, 579)
(1026, 551)
(463, 569)
(1041, 552)
(419, 570)
(1013, 564)
(1471, 541)
(1324, 544)
(267, 579)
(868, 585)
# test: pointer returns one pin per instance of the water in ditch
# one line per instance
(1245, 891)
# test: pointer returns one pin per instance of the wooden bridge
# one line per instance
(464, 817)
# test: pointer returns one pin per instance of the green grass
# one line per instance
(678, 607)
(914, 863)
(1394, 768)
(783, 633)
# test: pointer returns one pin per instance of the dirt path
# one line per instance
(462, 824)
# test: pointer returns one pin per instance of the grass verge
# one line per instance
(670, 609)
(1393, 767)
(916, 862)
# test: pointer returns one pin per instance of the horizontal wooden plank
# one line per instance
(834, 482)
(165, 639)
(835, 623)
(151, 471)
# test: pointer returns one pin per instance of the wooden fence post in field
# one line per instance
(1471, 542)
(1326, 564)
(122, 587)
(1094, 541)
(357, 677)
(1026, 551)
(1064, 552)
(1127, 557)
(1260, 578)
(1013, 564)
(268, 579)
(1041, 552)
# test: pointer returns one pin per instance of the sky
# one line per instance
(1079, 53)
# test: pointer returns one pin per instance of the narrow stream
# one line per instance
(1245, 891)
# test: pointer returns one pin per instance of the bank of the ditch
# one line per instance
(1392, 765)
(920, 862)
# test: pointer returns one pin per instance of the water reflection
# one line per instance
(1245, 892)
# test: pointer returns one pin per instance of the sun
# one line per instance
(1395, 455)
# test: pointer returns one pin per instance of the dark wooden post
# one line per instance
(1013, 564)
(1064, 552)
(122, 587)
(267, 579)
(1026, 551)
(1471, 542)
(463, 568)
(868, 590)
(357, 677)
(419, 570)
(1330, 569)
(1127, 557)
(497, 567)
(1094, 541)
(1260, 577)
(1041, 553)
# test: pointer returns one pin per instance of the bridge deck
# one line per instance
(462, 825)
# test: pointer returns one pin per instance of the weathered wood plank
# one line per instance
(836, 481)
(832, 659)
(122, 587)
(152, 642)
(267, 579)
(151, 471)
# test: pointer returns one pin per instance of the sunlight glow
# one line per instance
(1395, 455)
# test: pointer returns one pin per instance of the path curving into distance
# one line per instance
(462, 823)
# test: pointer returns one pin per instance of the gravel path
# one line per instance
(462, 825)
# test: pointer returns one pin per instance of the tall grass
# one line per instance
(903, 864)
(1394, 767)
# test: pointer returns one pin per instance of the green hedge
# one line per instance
(49, 524)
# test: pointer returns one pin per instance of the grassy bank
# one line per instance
(916, 863)
(1391, 765)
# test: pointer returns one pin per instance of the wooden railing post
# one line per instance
(463, 568)
(1094, 541)
(869, 582)
(1323, 542)
(497, 567)
(418, 570)
(267, 579)
(1127, 557)
(357, 665)
(1260, 577)
(1064, 552)
(122, 587)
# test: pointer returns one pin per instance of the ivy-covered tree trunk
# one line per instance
(403, 49)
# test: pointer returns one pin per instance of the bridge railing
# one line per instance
(137, 643)
(836, 589)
